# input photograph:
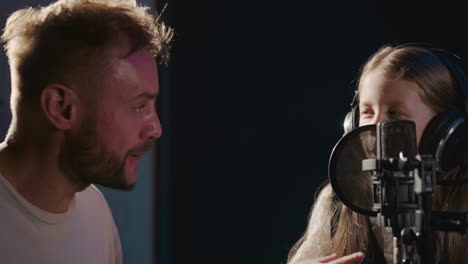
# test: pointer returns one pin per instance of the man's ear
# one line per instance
(59, 104)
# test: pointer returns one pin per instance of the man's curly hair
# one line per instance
(69, 41)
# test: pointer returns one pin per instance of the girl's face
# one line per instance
(382, 99)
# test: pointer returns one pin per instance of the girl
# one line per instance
(408, 82)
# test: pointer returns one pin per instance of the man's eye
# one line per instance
(140, 108)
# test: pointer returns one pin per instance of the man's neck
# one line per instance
(34, 172)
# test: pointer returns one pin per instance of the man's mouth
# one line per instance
(134, 159)
(136, 153)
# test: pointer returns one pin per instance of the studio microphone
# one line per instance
(376, 170)
(401, 189)
(395, 137)
(393, 186)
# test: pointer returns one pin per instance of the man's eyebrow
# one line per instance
(146, 95)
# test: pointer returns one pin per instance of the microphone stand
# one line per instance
(402, 194)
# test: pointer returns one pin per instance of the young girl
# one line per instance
(407, 82)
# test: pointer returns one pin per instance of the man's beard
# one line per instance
(85, 161)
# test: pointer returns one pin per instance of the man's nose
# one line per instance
(152, 128)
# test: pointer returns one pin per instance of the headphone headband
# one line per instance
(445, 136)
(454, 65)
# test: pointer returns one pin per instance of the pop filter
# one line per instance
(352, 185)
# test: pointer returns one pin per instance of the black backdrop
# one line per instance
(252, 104)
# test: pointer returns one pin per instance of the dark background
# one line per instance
(252, 104)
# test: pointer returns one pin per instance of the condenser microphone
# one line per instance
(376, 170)
(393, 187)
(395, 137)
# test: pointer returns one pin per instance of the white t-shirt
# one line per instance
(86, 233)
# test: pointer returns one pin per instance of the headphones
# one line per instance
(446, 135)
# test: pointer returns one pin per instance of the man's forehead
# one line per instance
(133, 75)
(142, 56)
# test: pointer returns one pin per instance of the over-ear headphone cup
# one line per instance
(351, 120)
(445, 138)
(348, 122)
(454, 151)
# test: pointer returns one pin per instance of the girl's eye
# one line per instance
(395, 113)
(366, 113)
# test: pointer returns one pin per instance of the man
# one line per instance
(84, 84)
